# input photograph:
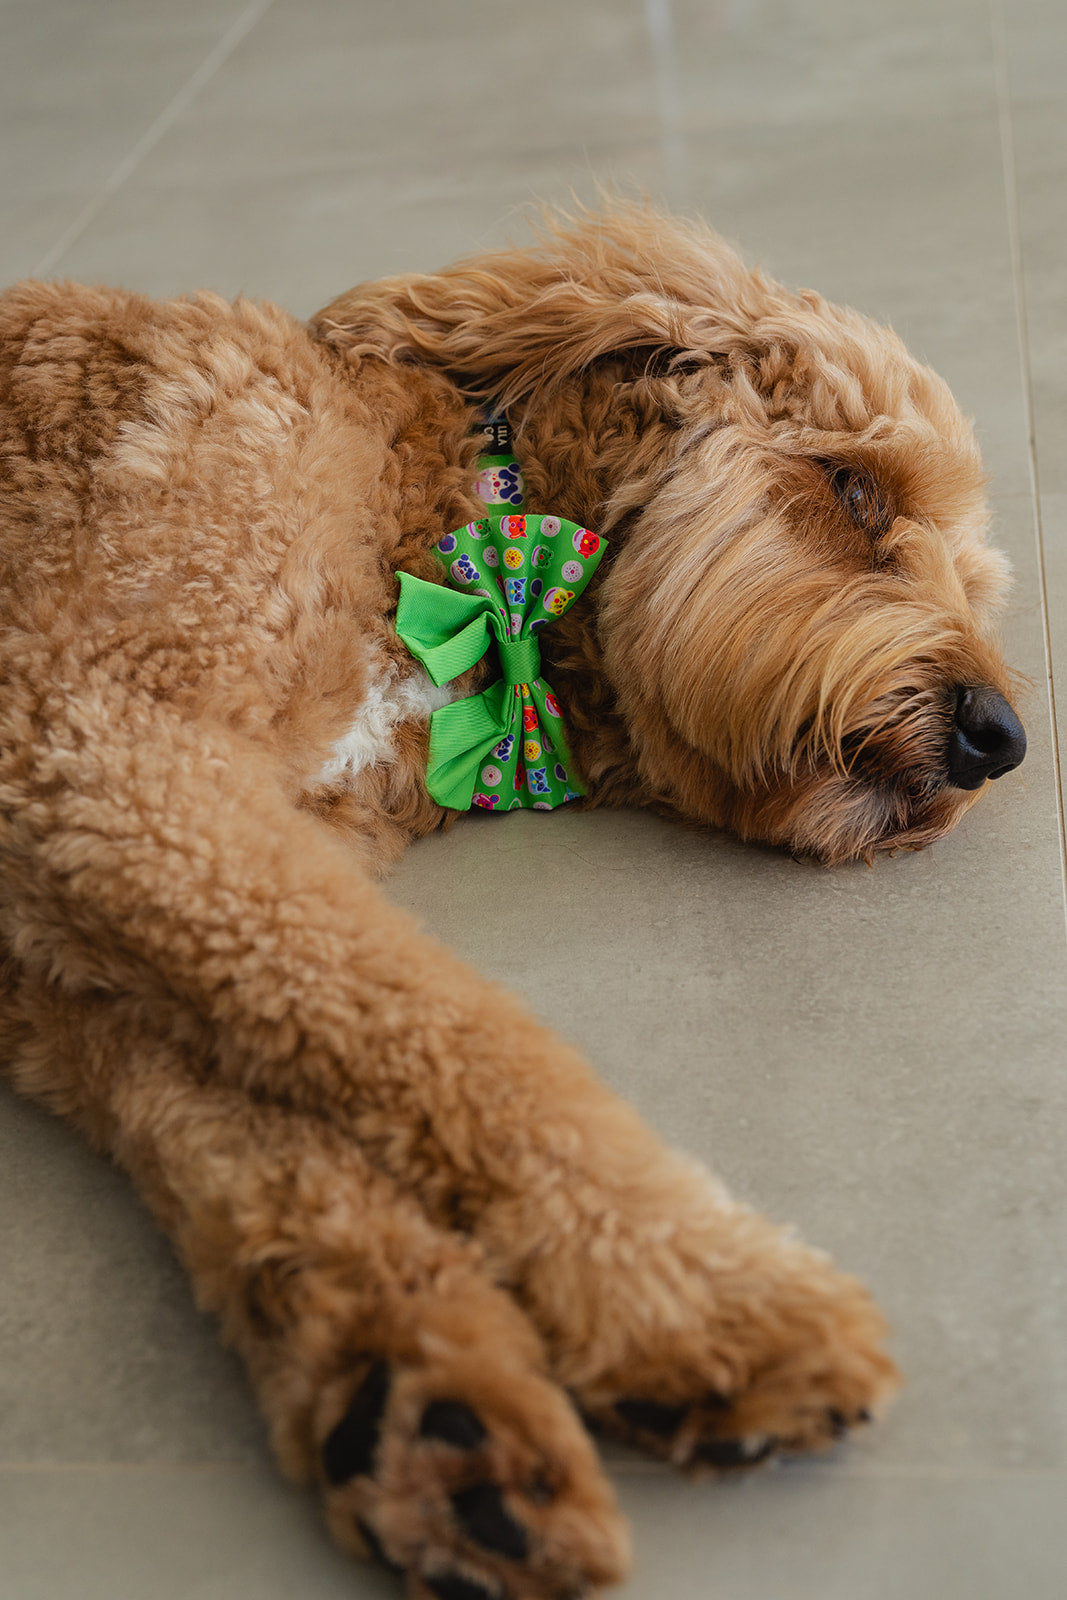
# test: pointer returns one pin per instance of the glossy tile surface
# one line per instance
(879, 1057)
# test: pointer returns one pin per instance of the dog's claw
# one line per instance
(729, 1455)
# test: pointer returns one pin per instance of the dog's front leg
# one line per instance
(392, 1372)
(674, 1314)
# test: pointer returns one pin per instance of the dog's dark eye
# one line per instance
(862, 499)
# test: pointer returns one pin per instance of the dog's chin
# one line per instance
(837, 817)
(883, 785)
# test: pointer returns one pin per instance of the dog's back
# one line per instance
(147, 448)
(202, 504)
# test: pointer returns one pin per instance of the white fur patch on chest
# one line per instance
(388, 702)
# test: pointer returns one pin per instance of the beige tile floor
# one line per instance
(878, 1056)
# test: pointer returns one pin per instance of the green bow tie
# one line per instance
(510, 576)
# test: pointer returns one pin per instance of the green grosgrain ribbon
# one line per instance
(509, 575)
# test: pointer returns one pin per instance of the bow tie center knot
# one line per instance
(520, 660)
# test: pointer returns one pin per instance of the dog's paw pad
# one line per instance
(475, 1481)
(350, 1447)
(454, 1586)
(539, 1491)
(652, 1416)
(486, 1521)
(453, 1422)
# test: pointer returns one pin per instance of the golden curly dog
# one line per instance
(429, 1231)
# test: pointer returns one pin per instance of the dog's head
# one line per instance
(796, 619)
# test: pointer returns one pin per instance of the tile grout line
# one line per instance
(998, 34)
(39, 1468)
(659, 25)
(207, 69)
(618, 1471)
(928, 1472)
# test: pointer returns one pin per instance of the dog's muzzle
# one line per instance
(987, 738)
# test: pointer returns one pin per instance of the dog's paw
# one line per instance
(477, 1482)
(776, 1411)
(790, 1357)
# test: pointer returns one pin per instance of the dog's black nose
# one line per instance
(986, 741)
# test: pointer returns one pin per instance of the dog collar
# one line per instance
(506, 576)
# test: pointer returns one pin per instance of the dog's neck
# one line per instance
(588, 453)
(587, 446)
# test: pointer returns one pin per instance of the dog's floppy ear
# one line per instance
(516, 322)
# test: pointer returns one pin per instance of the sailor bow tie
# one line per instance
(508, 576)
